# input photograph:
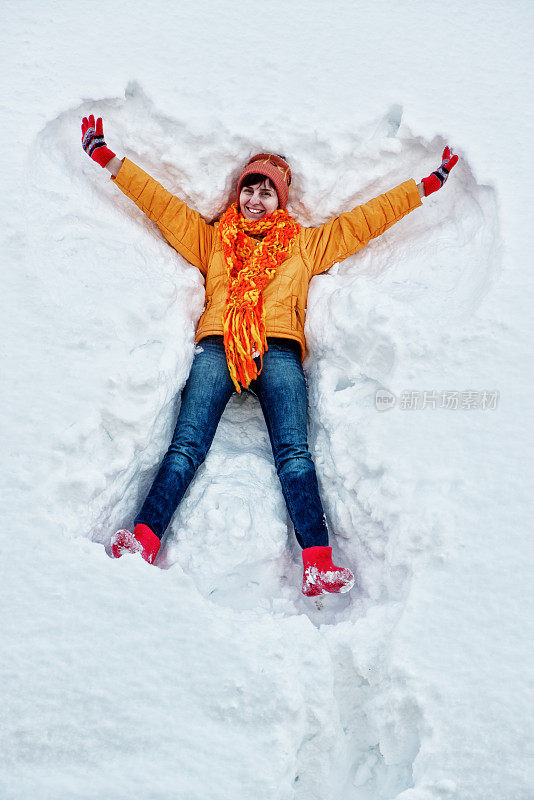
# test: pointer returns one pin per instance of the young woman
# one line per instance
(257, 262)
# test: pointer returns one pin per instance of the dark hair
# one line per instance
(255, 177)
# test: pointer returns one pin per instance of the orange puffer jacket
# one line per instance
(315, 250)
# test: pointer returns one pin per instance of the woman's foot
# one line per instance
(143, 540)
(321, 575)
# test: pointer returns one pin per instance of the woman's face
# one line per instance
(258, 200)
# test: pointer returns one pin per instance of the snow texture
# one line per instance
(211, 676)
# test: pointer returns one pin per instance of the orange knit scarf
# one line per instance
(250, 266)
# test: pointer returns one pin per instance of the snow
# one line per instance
(212, 676)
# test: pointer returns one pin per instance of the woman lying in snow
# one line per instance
(257, 262)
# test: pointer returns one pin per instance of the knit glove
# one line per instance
(436, 179)
(93, 141)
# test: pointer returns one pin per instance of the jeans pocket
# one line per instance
(289, 347)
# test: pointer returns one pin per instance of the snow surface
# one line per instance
(212, 676)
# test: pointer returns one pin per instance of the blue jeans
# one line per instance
(281, 390)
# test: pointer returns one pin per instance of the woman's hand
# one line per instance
(93, 141)
(436, 179)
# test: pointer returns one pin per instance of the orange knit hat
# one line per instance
(273, 167)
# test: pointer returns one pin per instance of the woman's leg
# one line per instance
(281, 390)
(204, 398)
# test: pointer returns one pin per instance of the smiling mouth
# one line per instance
(255, 212)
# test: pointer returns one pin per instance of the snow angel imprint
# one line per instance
(257, 262)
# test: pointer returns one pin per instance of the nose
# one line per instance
(255, 200)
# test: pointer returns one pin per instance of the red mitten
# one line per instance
(436, 179)
(93, 141)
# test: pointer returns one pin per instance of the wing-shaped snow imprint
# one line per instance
(127, 316)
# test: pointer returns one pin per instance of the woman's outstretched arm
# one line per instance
(183, 227)
(347, 233)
